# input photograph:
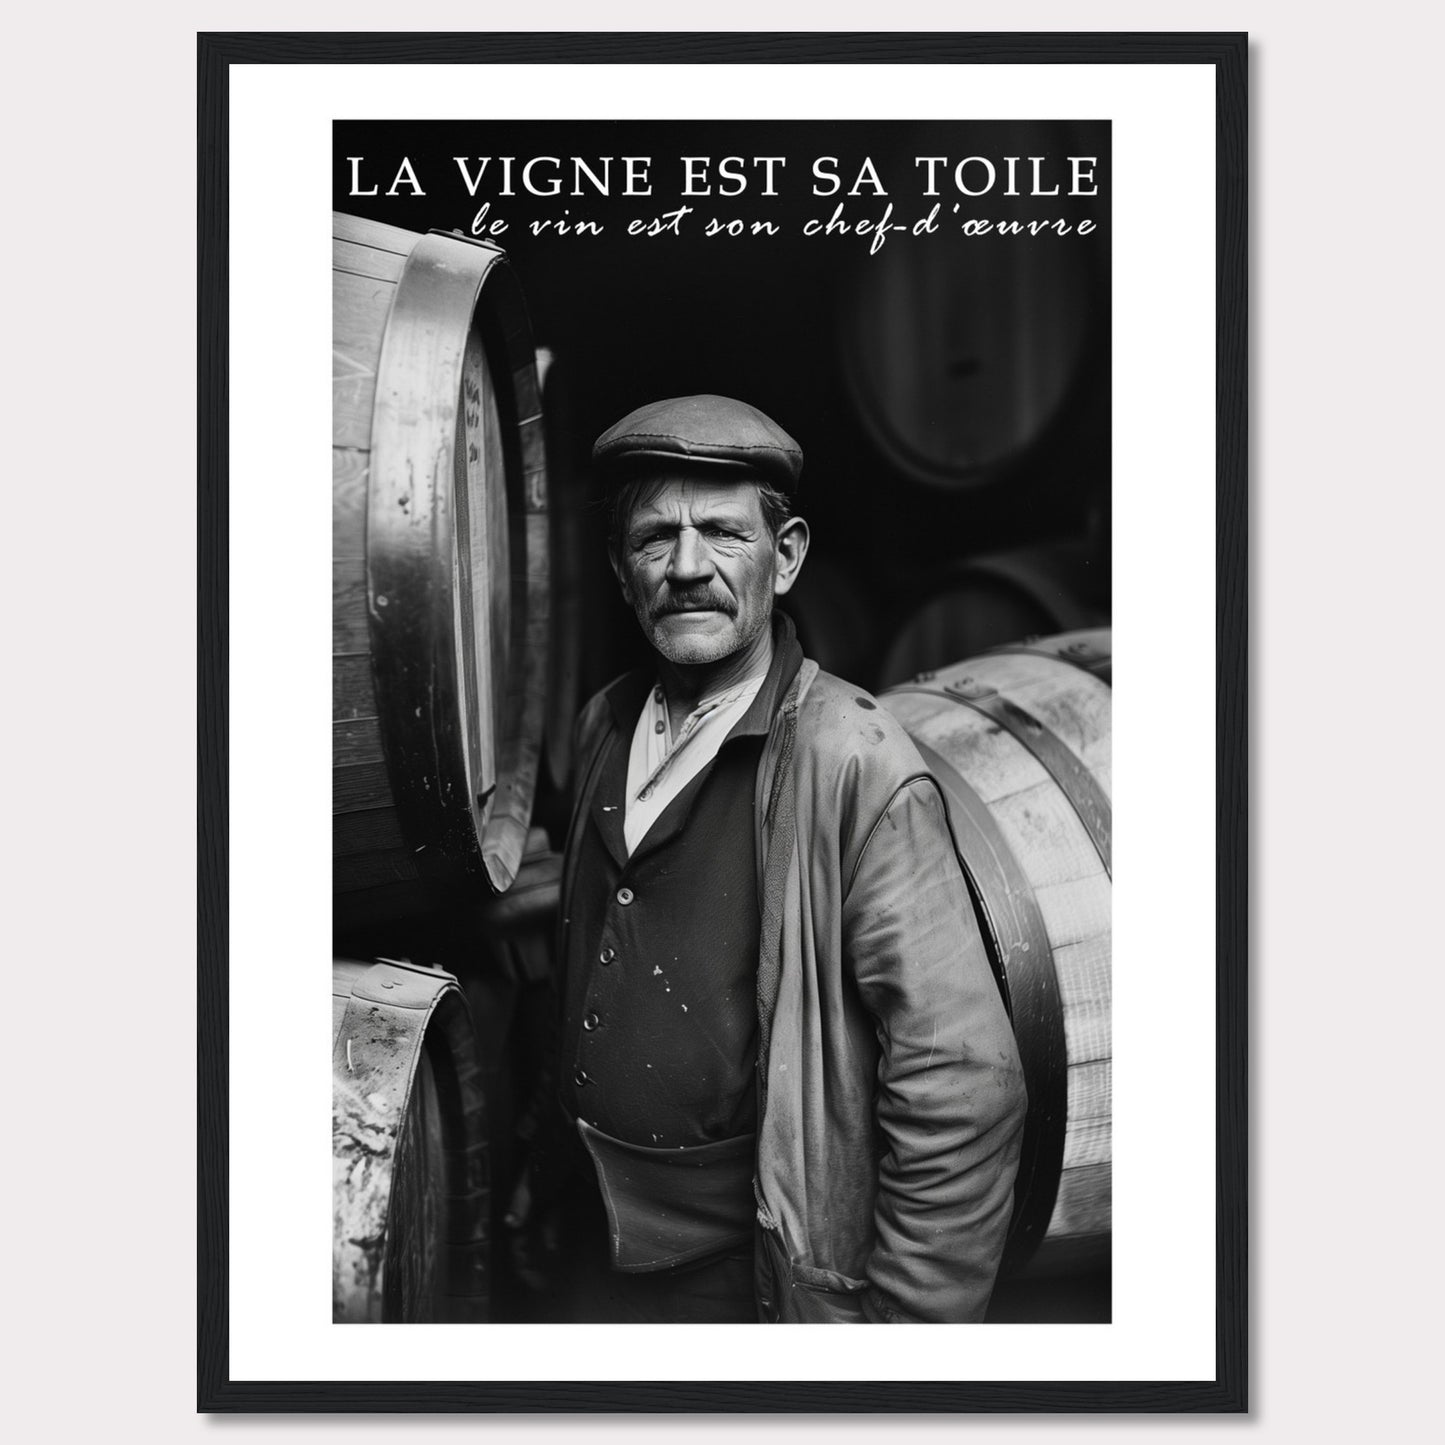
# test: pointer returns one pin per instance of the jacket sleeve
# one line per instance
(950, 1092)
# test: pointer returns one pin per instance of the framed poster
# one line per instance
(999, 283)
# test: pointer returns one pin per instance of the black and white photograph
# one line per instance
(722, 722)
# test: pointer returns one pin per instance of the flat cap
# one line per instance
(715, 431)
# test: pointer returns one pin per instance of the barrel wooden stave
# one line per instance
(369, 851)
(367, 260)
(359, 308)
(1086, 988)
(356, 741)
(1071, 888)
(353, 697)
(349, 473)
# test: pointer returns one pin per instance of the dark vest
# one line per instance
(659, 1039)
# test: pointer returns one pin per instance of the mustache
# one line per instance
(702, 601)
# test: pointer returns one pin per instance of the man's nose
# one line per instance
(690, 560)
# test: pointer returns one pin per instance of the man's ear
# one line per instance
(616, 565)
(792, 547)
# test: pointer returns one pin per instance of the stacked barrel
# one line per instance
(439, 673)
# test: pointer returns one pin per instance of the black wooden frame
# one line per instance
(1228, 53)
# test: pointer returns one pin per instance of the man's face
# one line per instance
(699, 567)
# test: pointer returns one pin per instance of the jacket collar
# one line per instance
(626, 695)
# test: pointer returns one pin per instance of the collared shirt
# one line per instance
(660, 766)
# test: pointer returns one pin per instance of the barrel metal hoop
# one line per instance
(456, 235)
(423, 650)
(1021, 942)
(410, 522)
(1075, 781)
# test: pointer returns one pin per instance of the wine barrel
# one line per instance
(994, 599)
(1020, 740)
(440, 559)
(963, 356)
(409, 1156)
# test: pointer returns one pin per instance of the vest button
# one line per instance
(606, 956)
(590, 1022)
(625, 896)
(580, 1077)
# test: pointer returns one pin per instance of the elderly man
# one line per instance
(783, 1050)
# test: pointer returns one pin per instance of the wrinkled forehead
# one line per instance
(688, 498)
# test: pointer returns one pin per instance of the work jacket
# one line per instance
(890, 1097)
